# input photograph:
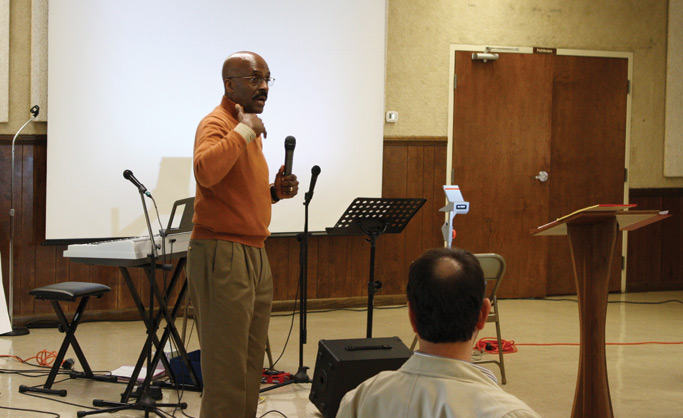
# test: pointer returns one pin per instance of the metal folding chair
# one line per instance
(494, 269)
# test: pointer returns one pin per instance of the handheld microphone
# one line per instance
(315, 171)
(128, 175)
(290, 143)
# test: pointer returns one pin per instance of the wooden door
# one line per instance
(501, 140)
(587, 151)
(516, 117)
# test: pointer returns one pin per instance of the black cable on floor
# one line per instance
(58, 401)
(273, 411)
(291, 326)
(54, 414)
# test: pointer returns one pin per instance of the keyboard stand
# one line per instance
(169, 332)
(152, 323)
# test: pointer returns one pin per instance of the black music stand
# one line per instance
(375, 216)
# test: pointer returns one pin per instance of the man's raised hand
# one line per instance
(251, 120)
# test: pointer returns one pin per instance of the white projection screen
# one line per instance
(130, 80)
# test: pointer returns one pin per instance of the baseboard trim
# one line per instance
(132, 314)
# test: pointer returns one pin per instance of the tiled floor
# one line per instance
(645, 380)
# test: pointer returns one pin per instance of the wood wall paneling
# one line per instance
(5, 152)
(338, 268)
(672, 244)
(278, 251)
(655, 253)
(4, 223)
(25, 231)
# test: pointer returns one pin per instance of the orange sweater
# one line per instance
(233, 201)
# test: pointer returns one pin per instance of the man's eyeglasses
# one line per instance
(255, 80)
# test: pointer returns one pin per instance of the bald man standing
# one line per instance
(228, 271)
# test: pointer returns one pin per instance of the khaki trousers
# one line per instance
(231, 288)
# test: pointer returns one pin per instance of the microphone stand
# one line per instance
(301, 375)
(145, 395)
(15, 330)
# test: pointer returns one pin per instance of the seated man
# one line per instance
(447, 308)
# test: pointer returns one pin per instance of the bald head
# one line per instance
(446, 292)
(446, 267)
(245, 76)
(239, 62)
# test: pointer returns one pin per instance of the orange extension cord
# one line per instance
(490, 345)
(43, 358)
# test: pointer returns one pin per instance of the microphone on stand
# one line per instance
(15, 330)
(128, 175)
(290, 143)
(315, 172)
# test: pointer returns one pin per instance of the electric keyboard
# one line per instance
(127, 251)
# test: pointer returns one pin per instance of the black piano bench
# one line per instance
(67, 292)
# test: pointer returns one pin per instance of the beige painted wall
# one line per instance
(673, 131)
(420, 33)
(20, 71)
(4, 60)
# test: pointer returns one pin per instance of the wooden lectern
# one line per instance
(592, 235)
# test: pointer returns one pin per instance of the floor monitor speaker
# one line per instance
(342, 365)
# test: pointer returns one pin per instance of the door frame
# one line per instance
(530, 50)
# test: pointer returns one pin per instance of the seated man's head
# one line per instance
(446, 290)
